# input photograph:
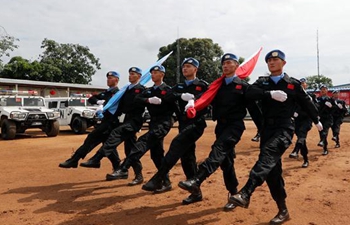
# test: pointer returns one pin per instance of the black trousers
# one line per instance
(97, 136)
(183, 147)
(337, 121)
(223, 153)
(302, 127)
(273, 143)
(124, 132)
(153, 141)
(327, 123)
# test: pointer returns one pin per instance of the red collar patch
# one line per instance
(290, 86)
(198, 88)
(163, 92)
(238, 86)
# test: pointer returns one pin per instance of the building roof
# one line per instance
(50, 84)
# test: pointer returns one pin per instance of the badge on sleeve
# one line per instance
(198, 88)
(290, 86)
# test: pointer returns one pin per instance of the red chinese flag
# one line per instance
(243, 71)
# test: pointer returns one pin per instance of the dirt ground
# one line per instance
(34, 190)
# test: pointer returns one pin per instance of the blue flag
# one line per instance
(112, 104)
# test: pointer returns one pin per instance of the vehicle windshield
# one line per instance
(33, 102)
(11, 101)
(76, 102)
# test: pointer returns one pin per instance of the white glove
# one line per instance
(295, 115)
(100, 102)
(278, 95)
(340, 106)
(319, 126)
(190, 104)
(187, 96)
(155, 100)
(328, 104)
(99, 111)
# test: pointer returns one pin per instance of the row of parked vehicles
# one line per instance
(22, 110)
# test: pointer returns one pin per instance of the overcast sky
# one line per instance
(125, 33)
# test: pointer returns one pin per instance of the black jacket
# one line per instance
(280, 113)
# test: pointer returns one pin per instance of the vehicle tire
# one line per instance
(8, 130)
(79, 125)
(52, 129)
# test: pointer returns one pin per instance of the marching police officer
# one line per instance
(325, 108)
(279, 94)
(100, 133)
(303, 125)
(338, 116)
(190, 130)
(229, 110)
(130, 118)
(161, 112)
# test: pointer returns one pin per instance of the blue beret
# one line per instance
(323, 86)
(191, 61)
(135, 69)
(302, 80)
(113, 73)
(275, 54)
(159, 68)
(229, 56)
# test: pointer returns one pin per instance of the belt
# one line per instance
(278, 121)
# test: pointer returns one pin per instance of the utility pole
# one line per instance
(318, 56)
(178, 58)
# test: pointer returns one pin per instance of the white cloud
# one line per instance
(129, 33)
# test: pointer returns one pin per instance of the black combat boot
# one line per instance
(230, 206)
(282, 214)
(242, 198)
(138, 175)
(113, 157)
(256, 138)
(294, 153)
(72, 162)
(325, 150)
(337, 142)
(156, 181)
(165, 187)
(193, 197)
(94, 161)
(193, 185)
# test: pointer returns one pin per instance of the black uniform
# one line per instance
(303, 125)
(229, 110)
(132, 123)
(276, 134)
(338, 117)
(190, 130)
(159, 126)
(99, 134)
(326, 119)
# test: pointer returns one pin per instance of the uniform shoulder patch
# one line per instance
(294, 80)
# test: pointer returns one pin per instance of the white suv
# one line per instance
(19, 113)
(75, 112)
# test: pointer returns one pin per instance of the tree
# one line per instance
(7, 43)
(315, 81)
(20, 68)
(67, 63)
(203, 49)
